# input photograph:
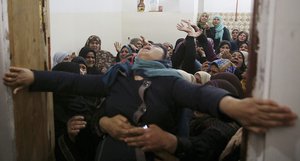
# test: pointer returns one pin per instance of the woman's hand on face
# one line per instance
(205, 66)
(74, 125)
(133, 47)
(206, 26)
(226, 55)
(144, 41)
(152, 138)
(18, 78)
(257, 115)
(117, 126)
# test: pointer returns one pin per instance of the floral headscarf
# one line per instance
(92, 38)
(224, 65)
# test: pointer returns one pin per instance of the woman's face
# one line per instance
(139, 44)
(234, 34)
(68, 58)
(242, 37)
(95, 45)
(237, 59)
(123, 53)
(216, 21)
(198, 78)
(225, 48)
(151, 52)
(243, 47)
(82, 69)
(169, 49)
(203, 18)
(90, 59)
(214, 69)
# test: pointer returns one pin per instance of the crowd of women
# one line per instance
(153, 101)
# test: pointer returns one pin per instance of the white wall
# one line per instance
(227, 5)
(73, 21)
(157, 26)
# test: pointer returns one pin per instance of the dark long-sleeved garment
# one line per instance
(164, 99)
(212, 33)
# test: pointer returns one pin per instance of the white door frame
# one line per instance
(7, 134)
(277, 77)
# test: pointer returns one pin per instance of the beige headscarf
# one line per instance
(187, 76)
(204, 76)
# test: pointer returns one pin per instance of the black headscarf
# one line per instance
(85, 50)
(79, 60)
(233, 79)
(67, 67)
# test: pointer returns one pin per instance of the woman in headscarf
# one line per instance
(234, 34)
(221, 65)
(242, 37)
(73, 142)
(126, 54)
(224, 48)
(104, 59)
(202, 77)
(209, 135)
(218, 32)
(233, 79)
(202, 22)
(186, 55)
(137, 44)
(61, 57)
(238, 59)
(89, 55)
(82, 64)
(165, 93)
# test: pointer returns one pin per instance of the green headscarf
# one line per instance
(219, 28)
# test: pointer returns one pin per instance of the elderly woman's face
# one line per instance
(95, 45)
(237, 59)
(139, 44)
(151, 52)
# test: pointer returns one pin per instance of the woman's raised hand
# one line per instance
(190, 28)
(18, 78)
(118, 46)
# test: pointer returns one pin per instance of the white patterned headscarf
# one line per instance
(59, 57)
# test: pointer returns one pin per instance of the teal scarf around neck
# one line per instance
(151, 68)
